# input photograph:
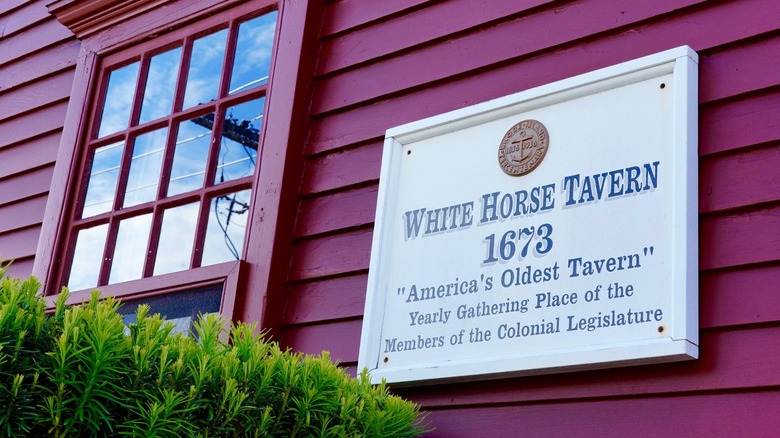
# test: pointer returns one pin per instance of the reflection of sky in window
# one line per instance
(190, 155)
(205, 69)
(119, 100)
(226, 228)
(102, 179)
(176, 239)
(240, 135)
(253, 52)
(145, 167)
(85, 268)
(227, 218)
(160, 85)
(130, 249)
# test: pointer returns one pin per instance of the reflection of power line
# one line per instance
(248, 84)
(187, 140)
(240, 131)
(236, 207)
(109, 196)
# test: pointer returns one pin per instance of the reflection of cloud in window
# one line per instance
(145, 167)
(130, 249)
(102, 179)
(119, 98)
(160, 85)
(253, 52)
(226, 228)
(205, 69)
(190, 155)
(87, 257)
(176, 239)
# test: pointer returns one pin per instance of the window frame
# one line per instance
(91, 141)
(261, 275)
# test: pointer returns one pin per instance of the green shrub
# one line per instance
(80, 372)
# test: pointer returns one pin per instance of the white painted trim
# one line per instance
(680, 343)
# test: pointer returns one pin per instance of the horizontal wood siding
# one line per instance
(37, 59)
(382, 64)
(701, 415)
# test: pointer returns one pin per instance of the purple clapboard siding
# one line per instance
(731, 71)
(758, 181)
(702, 415)
(342, 168)
(746, 296)
(347, 14)
(337, 211)
(21, 268)
(18, 159)
(748, 121)
(19, 244)
(731, 353)
(46, 34)
(369, 122)
(740, 239)
(22, 214)
(339, 338)
(476, 50)
(25, 185)
(9, 5)
(37, 56)
(30, 125)
(29, 14)
(52, 59)
(341, 297)
(383, 71)
(331, 255)
(355, 47)
(381, 64)
(38, 94)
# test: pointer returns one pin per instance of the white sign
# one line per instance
(546, 231)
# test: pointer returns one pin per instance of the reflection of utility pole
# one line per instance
(243, 133)
(243, 208)
(240, 131)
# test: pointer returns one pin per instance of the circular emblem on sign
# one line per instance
(523, 148)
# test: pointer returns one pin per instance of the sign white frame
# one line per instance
(679, 342)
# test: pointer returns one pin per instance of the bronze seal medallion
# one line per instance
(523, 148)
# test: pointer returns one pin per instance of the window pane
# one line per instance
(102, 179)
(144, 174)
(253, 52)
(176, 239)
(119, 100)
(191, 154)
(205, 69)
(181, 308)
(130, 249)
(160, 85)
(85, 268)
(240, 136)
(226, 228)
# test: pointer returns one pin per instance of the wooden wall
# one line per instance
(386, 63)
(37, 61)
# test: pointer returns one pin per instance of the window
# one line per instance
(170, 153)
(180, 308)
(161, 186)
